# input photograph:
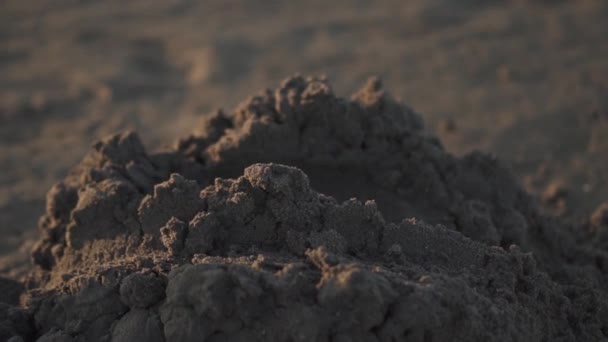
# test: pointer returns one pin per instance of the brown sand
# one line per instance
(524, 80)
(139, 246)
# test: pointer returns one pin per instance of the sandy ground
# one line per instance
(525, 80)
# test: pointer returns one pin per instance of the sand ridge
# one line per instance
(216, 240)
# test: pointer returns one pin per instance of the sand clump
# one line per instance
(305, 217)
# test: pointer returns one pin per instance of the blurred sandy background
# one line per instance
(525, 80)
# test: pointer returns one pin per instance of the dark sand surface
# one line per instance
(526, 81)
(376, 234)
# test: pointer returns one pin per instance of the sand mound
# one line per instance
(332, 220)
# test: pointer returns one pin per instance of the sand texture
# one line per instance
(428, 247)
(468, 203)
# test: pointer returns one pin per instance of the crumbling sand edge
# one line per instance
(138, 245)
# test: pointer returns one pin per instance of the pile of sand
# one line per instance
(331, 220)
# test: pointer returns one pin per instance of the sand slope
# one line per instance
(525, 80)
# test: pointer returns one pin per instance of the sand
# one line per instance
(428, 247)
(522, 80)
